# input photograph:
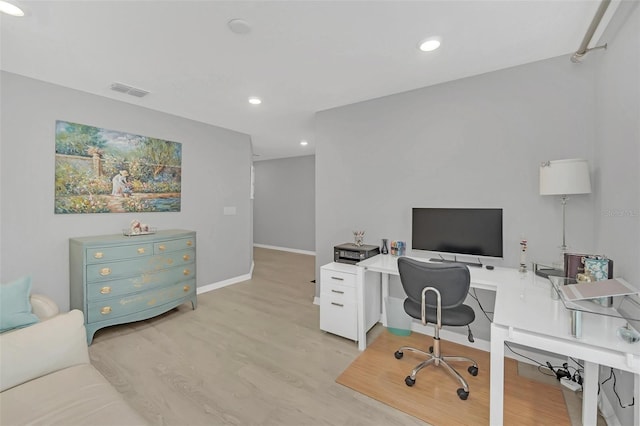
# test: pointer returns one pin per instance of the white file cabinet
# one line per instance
(339, 302)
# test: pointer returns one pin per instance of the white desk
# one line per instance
(525, 313)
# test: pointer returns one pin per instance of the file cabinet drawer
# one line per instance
(340, 292)
(332, 276)
(338, 317)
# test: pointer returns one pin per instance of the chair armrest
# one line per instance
(43, 306)
(43, 348)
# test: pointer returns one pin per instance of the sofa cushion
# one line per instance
(77, 395)
(15, 308)
(43, 348)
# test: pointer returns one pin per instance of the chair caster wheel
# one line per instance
(398, 355)
(409, 381)
(473, 370)
(463, 394)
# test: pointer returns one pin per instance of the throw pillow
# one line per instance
(15, 307)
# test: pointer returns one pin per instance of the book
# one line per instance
(599, 267)
(573, 264)
(597, 289)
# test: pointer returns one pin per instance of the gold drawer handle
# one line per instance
(186, 288)
(105, 290)
(105, 271)
(186, 272)
(189, 243)
(186, 257)
(106, 310)
(141, 250)
(337, 291)
(162, 247)
(98, 255)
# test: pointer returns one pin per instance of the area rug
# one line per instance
(433, 399)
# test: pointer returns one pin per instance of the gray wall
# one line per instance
(34, 241)
(475, 142)
(478, 142)
(617, 178)
(284, 204)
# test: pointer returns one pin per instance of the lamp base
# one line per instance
(547, 272)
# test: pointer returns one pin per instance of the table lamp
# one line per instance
(564, 177)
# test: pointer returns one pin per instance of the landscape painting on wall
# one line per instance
(106, 171)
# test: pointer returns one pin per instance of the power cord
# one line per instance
(475, 297)
(613, 375)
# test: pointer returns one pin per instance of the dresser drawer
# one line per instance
(173, 245)
(112, 288)
(338, 317)
(328, 276)
(131, 268)
(106, 254)
(117, 307)
(168, 260)
(121, 269)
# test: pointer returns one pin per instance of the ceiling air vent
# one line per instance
(133, 91)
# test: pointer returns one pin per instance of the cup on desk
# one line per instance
(398, 248)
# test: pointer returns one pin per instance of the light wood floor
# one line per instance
(251, 354)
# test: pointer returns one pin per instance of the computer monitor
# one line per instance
(459, 231)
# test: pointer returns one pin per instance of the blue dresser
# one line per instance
(117, 279)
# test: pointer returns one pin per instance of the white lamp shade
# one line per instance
(564, 177)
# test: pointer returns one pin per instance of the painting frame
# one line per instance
(98, 170)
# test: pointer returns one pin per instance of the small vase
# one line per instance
(385, 248)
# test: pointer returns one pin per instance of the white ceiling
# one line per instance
(300, 56)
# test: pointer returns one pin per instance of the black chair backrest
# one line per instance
(452, 280)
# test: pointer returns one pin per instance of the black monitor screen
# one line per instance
(476, 232)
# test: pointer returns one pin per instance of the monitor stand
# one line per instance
(472, 264)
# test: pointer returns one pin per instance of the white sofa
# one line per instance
(46, 377)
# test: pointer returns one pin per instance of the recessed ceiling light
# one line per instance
(304, 143)
(429, 45)
(10, 9)
(255, 101)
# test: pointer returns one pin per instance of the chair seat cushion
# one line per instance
(458, 316)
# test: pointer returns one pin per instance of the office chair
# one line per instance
(435, 294)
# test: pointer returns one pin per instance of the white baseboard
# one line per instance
(225, 283)
(310, 253)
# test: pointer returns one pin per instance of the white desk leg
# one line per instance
(496, 383)
(590, 394)
(385, 294)
(362, 332)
